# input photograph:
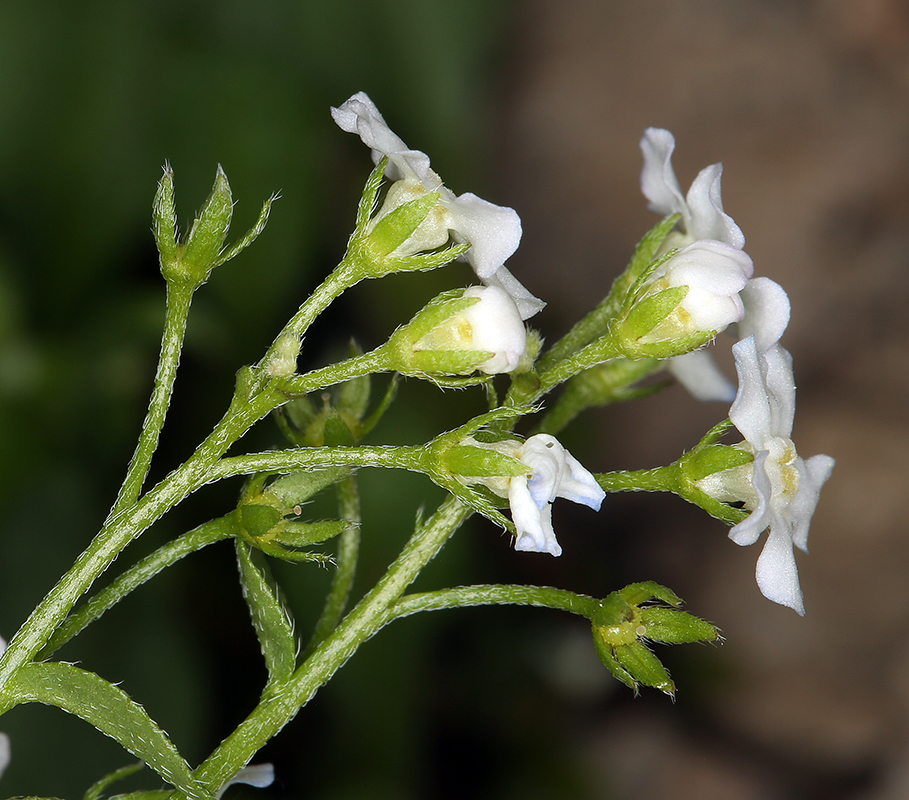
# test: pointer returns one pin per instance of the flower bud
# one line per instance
(459, 332)
(685, 301)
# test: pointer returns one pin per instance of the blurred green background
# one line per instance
(531, 104)
(94, 98)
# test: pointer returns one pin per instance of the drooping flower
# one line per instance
(492, 231)
(765, 305)
(779, 488)
(551, 472)
(554, 473)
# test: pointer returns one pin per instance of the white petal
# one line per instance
(494, 232)
(707, 220)
(698, 373)
(749, 529)
(750, 411)
(546, 458)
(658, 181)
(712, 265)
(497, 327)
(777, 574)
(814, 473)
(527, 304)
(4, 753)
(780, 382)
(767, 312)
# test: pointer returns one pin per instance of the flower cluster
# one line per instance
(779, 488)
(701, 283)
(712, 261)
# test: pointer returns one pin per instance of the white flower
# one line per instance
(714, 273)
(765, 305)
(783, 489)
(702, 210)
(492, 231)
(494, 325)
(554, 473)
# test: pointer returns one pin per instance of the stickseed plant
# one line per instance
(687, 281)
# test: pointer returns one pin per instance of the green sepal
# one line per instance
(303, 534)
(206, 237)
(270, 617)
(258, 519)
(669, 626)
(164, 220)
(648, 312)
(398, 225)
(110, 710)
(621, 622)
(481, 462)
(639, 662)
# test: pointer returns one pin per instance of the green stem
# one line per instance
(364, 364)
(658, 479)
(368, 617)
(468, 596)
(133, 578)
(179, 298)
(346, 557)
(413, 458)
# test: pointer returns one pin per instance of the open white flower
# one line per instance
(492, 231)
(780, 488)
(702, 209)
(554, 473)
(765, 305)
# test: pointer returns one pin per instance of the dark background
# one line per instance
(534, 105)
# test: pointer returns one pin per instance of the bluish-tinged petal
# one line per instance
(767, 312)
(814, 474)
(777, 574)
(580, 486)
(698, 373)
(546, 458)
(532, 522)
(751, 412)
(258, 775)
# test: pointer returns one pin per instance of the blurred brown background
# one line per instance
(538, 105)
(807, 106)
